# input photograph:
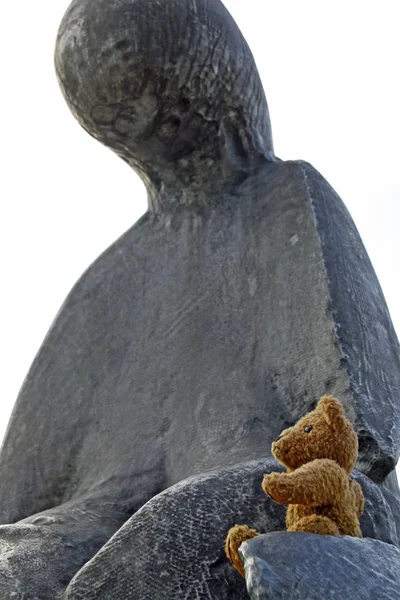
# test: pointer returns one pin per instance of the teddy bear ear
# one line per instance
(332, 411)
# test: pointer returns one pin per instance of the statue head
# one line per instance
(172, 87)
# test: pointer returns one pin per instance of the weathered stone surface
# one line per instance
(304, 566)
(381, 517)
(173, 546)
(217, 320)
(186, 109)
(170, 86)
(368, 344)
(202, 357)
(40, 554)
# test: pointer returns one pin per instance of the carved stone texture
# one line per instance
(192, 342)
(303, 566)
(172, 87)
(40, 554)
(171, 548)
(217, 320)
(369, 348)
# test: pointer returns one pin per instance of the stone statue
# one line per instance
(144, 426)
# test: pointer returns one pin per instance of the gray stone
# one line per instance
(178, 533)
(170, 86)
(201, 359)
(39, 555)
(381, 517)
(304, 566)
(218, 319)
(173, 546)
(187, 111)
(368, 344)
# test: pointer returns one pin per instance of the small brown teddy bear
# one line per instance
(319, 453)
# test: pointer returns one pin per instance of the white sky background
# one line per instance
(331, 74)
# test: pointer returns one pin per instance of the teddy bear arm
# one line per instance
(316, 483)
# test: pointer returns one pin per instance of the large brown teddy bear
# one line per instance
(319, 453)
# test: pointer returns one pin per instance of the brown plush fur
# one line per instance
(319, 453)
(235, 537)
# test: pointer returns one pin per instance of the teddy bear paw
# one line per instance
(273, 486)
(236, 536)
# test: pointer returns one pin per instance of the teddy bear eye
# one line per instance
(308, 428)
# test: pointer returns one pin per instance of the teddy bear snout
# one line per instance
(280, 448)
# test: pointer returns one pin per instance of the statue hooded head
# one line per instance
(172, 87)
